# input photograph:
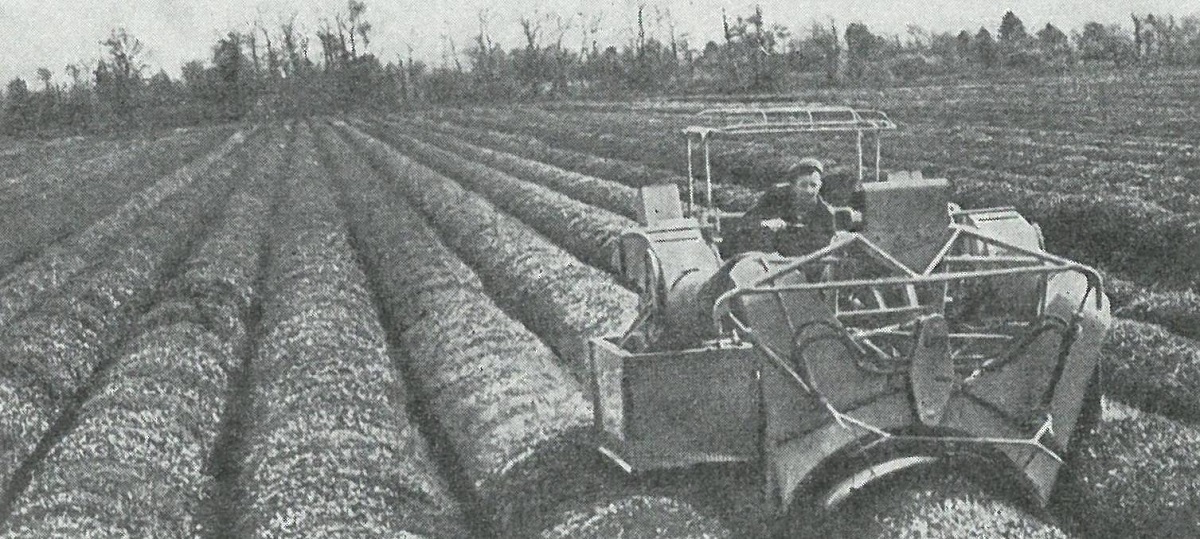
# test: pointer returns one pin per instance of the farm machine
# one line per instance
(921, 332)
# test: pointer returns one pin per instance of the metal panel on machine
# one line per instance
(916, 216)
(678, 408)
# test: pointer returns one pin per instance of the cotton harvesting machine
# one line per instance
(920, 332)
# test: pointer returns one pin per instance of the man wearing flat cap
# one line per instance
(793, 218)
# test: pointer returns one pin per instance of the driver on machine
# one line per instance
(794, 219)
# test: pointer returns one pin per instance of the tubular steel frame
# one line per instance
(1048, 264)
(749, 121)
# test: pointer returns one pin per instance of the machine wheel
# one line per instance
(824, 508)
(809, 517)
(930, 495)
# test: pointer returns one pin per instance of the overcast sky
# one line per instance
(52, 33)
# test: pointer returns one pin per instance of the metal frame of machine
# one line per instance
(932, 330)
(754, 121)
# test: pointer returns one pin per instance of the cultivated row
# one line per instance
(587, 232)
(727, 196)
(615, 197)
(136, 463)
(65, 169)
(20, 157)
(562, 299)
(35, 280)
(50, 357)
(76, 200)
(331, 452)
(516, 418)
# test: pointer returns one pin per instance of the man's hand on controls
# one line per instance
(776, 224)
(840, 236)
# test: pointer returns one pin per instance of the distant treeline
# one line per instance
(272, 71)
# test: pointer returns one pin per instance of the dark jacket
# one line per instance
(780, 202)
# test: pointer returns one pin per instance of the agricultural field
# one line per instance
(373, 326)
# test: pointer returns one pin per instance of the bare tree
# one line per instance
(343, 50)
(251, 39)
(357, 26)
(560, 61)
(918, 37)
(126, 52)
(290, 63)
(828, 43)
(670, 23)
(1137, 36)
(332, 45)
(450, 53)
(44, 75)
(483, 60)
(531, 65)
(75, 71)
(118, 79)
(1167, 30)
(273, 56)
(1150, 39)
(588, 28)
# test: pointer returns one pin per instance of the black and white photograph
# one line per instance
(634, 269)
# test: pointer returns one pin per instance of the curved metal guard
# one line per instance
(1015, 387)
